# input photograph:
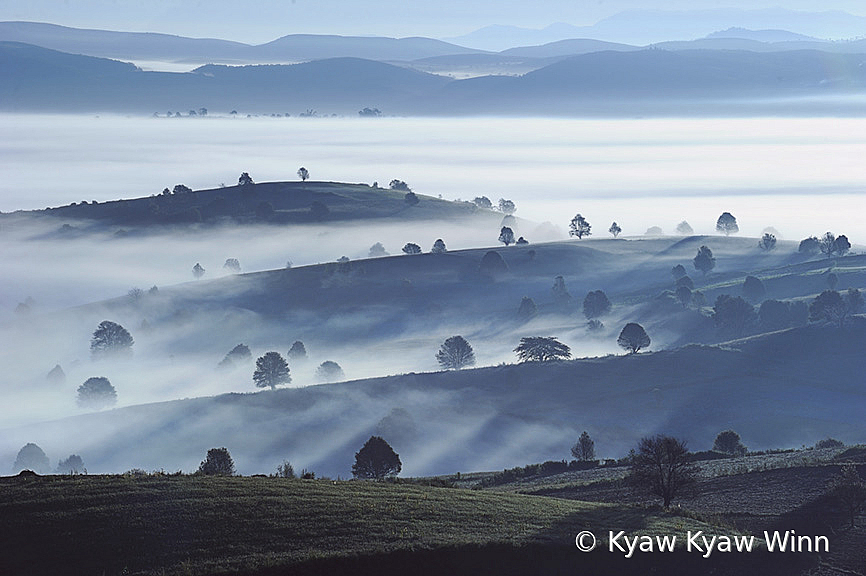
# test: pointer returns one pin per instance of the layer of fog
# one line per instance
(641, 172)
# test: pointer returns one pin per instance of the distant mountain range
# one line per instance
(607, 82)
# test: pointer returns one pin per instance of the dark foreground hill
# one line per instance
(267, 526)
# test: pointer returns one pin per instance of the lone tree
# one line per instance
(828, 306)
(232, 265)
(733, 315)
(841, 245)
(704, 261)
(850, 490)
(584, 449)
(527, 308)
(71, 465)
(399, 185)
(507, 206)
(411, 248)
(298, 351)
(303, 174)
(727, 224)
(376, 460)
(614, 229)
(483, 202)
(506, 235)
(661, 466)
(542, 349)
(329, 371)
(377, 251)
(198, 270)
(217, 463)
(579, 227)
(455, 353)
(595, 304)
(438, 247)
(97, 393)
(272, 370)
(684, 229)
(729, 442)
(245, 179)
(31, 457)
(110, 338)
(767, 242)
(633, 337)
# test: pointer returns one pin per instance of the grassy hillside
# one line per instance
(192, 525)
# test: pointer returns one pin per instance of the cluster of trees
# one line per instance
(32, 457)
(272, 369)
(829, 244)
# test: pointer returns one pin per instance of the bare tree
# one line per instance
(661, 466)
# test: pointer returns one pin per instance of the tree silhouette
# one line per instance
(767, 242)
(527, 308)
(245, 180)
(217, 463)
(399, 185)
(584, 449)
(376, 460)
(614, 229)
(727, 224)
(97, 393)
(506, 235)
(560, 292)
(595, 304)
(455, 353)
(329, 371)
(661, 466)
(237, 355)
(809, 245)
(303, 174)
(232, 265)
(377, 251)
(198, 271)
(729, 442)
(684, 295)
(31, 457)
(298, 351)
(507, 206)
(633, 337)
(411, 248)
(704, 261)
(272, 370)
(579, 227)
(438, 247)
(492, 264)
(753, 288)
(850, 490)
(732, 315)
(684, 229)
(678, 271)
(483, 202)
(828, 306)
(110, 338)
(71, 465)
(542, 349)
(411, 198)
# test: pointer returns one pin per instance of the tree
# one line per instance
(684, 229)
(399, 185)
(774, 314)
(732, 315)
(527, 308)
(56, 375)
(510, 221)
(376, 460)
(729, 442)
(97, 393)
(521, 241)
(654, 231)
(767, 242)
(753, 288)
(198, 271)
(595, 304)
(542, 349)
(850, 490)
(455, 353)
(809, 245)
(727, 224)
(31, 457)
(584, 449)
(854, 301)
(232, 265)
(110, 339)
(370, 112)
(71, 465)
(237, 355)
(633, 337)
(661, 466)
(303, 174)
(297, 352)
(411, 198)
(483, 202)
(841, 245)
(614, 229)
(579, 227)
(285, 470)
(684, 295)
(560, 293)
(685, 281)
(377, 251)
(181, 189)
(272, 370)
(506, 235)
(678, 272)
(217, 463)
(329, 371)
(828, 306)
(704, 261)
(832, 280)
(492, 264)
(507, 206)
(245, 179)
(411, 248)
(438, 247)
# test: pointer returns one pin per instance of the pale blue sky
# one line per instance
(264, 20)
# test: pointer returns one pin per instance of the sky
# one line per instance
(264, 20)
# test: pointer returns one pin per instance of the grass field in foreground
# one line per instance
(208, 525)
